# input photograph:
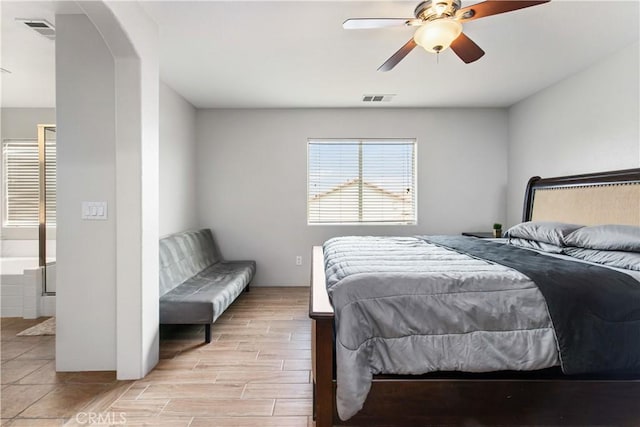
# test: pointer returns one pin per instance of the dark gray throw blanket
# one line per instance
(595, 310)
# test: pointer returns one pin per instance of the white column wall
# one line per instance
(130, 274)
(86, 250)
(140, 282)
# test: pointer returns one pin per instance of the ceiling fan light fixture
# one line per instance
(437, 35)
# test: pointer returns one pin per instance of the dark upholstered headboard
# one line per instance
(590, 199)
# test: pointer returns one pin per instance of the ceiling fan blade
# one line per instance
(365, 23)
(493, 7)
(466, 49)
(398, 56)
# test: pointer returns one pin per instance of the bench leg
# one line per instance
(207, 333)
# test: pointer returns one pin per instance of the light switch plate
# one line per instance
(94, 211)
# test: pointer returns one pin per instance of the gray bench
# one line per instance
(196, 285)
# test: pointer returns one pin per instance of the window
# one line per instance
(361, 182)
(21, 183)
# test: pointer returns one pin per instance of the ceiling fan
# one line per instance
(439, 25)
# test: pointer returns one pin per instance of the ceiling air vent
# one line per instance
(377, 98)
(40, 26)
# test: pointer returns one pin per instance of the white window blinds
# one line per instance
(361, 182)
(20, 178)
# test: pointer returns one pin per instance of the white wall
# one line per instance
(28, 248)
(86, 255)
(252, 178)
(21, 123)
(588, 122)
(178, 209)
(107, 79)
(133, 39)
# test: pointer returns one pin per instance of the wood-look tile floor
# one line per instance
(255, 372)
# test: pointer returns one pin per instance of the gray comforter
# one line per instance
(428, 309)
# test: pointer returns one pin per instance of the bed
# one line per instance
(542, 394)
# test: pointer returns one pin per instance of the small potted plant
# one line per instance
(497, 230)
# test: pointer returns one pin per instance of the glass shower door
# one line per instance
(47, 204)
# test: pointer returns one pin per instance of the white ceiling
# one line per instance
(29, 56)
(237, 54)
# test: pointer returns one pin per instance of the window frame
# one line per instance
(413, 141)
(13, 232)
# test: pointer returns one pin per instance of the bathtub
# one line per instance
(21, 288)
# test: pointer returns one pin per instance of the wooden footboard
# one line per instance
(321, 313)
(503, 398)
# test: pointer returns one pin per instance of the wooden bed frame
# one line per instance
(545, 397)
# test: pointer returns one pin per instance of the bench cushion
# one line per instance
(183, 255)
(203, 297)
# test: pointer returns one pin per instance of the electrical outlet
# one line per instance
(298, 260)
